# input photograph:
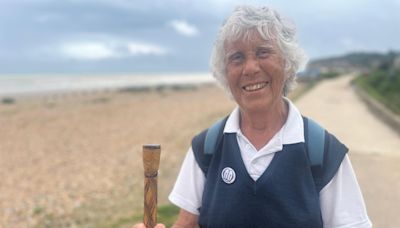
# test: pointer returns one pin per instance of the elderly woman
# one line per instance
(260, 172)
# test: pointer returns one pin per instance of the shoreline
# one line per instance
(44, 85)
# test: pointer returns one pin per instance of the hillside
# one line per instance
(360, 62)
(379, 74)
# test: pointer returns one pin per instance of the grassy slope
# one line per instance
(383, 87)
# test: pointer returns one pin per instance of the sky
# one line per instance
(127, 36)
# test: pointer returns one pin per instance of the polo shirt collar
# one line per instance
(293, 129)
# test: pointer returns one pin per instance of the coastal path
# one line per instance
(374, 147)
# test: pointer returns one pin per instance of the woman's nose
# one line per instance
(251, 67)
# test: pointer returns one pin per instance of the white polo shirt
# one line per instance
(341, 201)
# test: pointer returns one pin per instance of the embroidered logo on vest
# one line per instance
(228, 175)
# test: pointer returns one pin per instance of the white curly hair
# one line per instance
(268, 23)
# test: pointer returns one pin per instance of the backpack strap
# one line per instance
(207, 142)
(315, 140)
(324, 151)
(314, 136)
(214, 135)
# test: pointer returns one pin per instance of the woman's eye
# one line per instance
(236, 58)
(263, 53)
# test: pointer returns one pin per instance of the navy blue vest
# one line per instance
(284, 196)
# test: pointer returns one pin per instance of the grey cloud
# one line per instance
(31, 30)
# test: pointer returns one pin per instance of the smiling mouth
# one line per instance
(255, 87)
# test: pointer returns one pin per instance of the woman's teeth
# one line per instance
(255, 87)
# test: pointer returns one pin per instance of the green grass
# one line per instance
(8, 100)
(328, 75)
(166, 214)
(105, 213)
(384, 87)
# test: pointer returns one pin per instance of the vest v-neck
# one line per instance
(240, 164)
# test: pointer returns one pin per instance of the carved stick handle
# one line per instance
(151, 163)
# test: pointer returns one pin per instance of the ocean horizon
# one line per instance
(28, 84)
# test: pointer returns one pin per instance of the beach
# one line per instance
(61, 154)
(75, 160)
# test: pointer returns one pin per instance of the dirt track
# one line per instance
(374, 147)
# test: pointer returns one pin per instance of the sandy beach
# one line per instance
(75, 160)
(61, 155)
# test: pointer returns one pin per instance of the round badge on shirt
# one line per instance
(228, 175)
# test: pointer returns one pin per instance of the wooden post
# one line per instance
(151, 163)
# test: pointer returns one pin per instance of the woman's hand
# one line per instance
(141, 225)
(185, 220)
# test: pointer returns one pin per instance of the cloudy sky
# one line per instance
(106, 36)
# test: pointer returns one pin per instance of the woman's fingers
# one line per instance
(141, 225)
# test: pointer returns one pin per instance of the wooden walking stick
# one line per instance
(151, 162)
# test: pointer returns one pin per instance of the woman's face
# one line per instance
(255, 73)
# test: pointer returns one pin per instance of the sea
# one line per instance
(22, 85)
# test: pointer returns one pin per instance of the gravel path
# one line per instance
(374, 147)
